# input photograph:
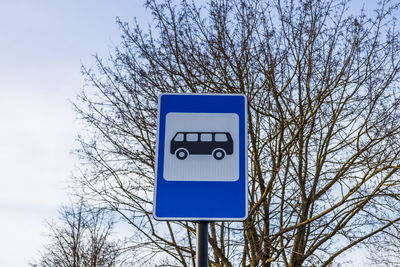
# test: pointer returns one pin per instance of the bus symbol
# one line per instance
(217, 144)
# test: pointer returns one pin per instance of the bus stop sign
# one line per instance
(201, 160)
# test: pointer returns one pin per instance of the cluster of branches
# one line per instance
(387, 252)
(323, 121)
(82, 238)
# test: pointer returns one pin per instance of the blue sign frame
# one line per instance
(201, 200)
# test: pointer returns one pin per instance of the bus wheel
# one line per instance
(181, 153)
(218, 154)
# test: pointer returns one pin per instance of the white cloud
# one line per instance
(43, 44)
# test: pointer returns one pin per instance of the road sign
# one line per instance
(201, 161)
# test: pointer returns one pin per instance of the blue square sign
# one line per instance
(201, 160)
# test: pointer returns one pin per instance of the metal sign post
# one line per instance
(201, 162)
(201, 244)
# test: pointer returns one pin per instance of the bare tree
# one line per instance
(322, 86)
(82, 239)
(387, 252)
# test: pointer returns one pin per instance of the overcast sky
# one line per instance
(42, 45)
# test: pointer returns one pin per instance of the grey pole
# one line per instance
(202, 244)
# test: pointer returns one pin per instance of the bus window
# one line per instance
(192, 137)
(178, 137)
(205, 137)
(220, 137)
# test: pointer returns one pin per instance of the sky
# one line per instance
(42, 46)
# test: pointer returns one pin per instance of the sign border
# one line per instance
(158, 218)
